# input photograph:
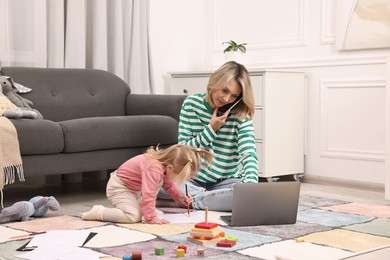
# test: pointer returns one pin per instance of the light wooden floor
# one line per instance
(343, 193)
(80, 197)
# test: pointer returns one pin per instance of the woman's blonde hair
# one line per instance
(185, 159)
(232, 70)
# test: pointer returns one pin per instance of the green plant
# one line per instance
(233, 46)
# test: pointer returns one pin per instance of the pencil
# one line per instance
(188, 205)
(28, 235)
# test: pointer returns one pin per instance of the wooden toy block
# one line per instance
(136, 255)
(204, 225)
(206, 234)
(200, 251)
(182, 247)
(159, 251)
(215, 230)
(226, 243)
(231, 238)
(204, 242)
(203, 237)
(179, 252)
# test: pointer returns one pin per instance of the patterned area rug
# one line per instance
(325, 229)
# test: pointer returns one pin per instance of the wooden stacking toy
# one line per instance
(206, 233)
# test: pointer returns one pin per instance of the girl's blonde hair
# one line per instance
(232, 70)
(185, 159)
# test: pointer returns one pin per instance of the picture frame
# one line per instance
(362, 24)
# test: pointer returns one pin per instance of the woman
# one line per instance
(230, 137)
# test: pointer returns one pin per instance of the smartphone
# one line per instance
(225, 108)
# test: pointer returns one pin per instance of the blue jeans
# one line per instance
(215, 196)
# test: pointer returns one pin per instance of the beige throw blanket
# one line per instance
(10, 158)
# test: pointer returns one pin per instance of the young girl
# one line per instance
(133, 187)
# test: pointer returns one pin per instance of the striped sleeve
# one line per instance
(191, 129)
(247, 150)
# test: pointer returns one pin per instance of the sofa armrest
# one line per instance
(151, 104)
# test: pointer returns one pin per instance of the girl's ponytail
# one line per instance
(185, 159)
(194, 158)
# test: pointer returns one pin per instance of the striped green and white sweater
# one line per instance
(233, 145)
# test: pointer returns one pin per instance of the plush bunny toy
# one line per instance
(26, 210)
(19, 107)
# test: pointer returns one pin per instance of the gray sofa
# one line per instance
(91, 120)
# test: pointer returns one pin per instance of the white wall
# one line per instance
(177, 32)
(345, 124)
(345, 110)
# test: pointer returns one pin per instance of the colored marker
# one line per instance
(188, 205)
(28, 235)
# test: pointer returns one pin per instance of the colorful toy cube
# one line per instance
(182, 247)
(179, 252)
(159, 251)
(226, 243)
(200, 251)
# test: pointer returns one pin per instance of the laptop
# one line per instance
(265, 203)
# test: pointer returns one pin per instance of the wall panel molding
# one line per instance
(298, 40)
(327, 31)
(315, 63)
(345, 95)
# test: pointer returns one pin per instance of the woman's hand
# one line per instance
(217, 122)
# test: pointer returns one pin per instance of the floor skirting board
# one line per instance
(344, 183)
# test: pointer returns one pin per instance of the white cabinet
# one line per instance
(189, 83)
(278, 120)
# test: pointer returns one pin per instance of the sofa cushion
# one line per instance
(100, 133)
(39, 136)
(64, 94)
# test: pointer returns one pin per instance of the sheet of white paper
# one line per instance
(61, 252)
(59, 237)
(195, 217)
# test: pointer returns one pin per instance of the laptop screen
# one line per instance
(266, 203)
